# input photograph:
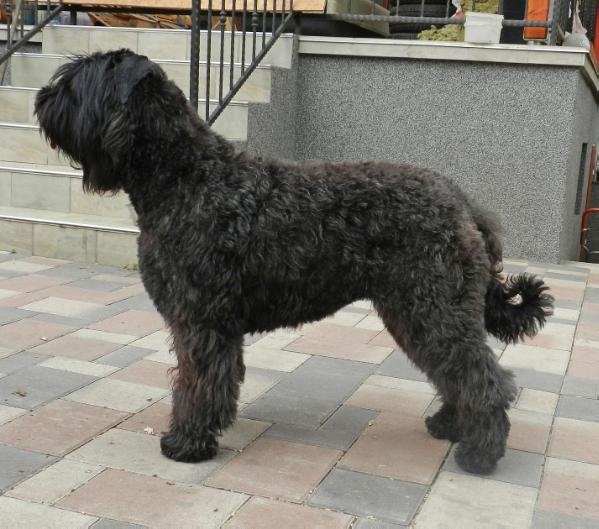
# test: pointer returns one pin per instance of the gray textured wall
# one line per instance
(508, 134)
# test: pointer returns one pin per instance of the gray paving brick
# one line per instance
(565, 276)
(9, 314)
(365, 523)
(105, 523)
(517, 467)
(587, 316)
(62, 320)
(124, 356)
(339, 431)
(20, 360)
(554, 520)
(580, 387)
(398, 365)
(561, 321)
(95, 268)
(308, 395)
(18, 465)
(539, 380)
(92, 284)
(578, 408)
(364, 495)
(39, 384)
(591, 295)
(69, 272)
(567, 304)
(140, 302)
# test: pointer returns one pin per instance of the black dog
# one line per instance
(232, 244)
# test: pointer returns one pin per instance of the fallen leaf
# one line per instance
(20, 393)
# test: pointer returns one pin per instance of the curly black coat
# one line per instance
(232, 244)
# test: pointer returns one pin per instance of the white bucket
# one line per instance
(483, 28)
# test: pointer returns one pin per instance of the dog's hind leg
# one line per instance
(445, 338)
(205, 391)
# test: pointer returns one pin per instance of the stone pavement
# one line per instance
(330, 434)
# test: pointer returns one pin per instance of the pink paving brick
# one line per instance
(392, 400)
(397, 446)
(573, 439)
(75, 347)
(584, 362)
(153, 502)
(78, 294)
(263, 513)
(356, 351)
(125, 292)
(23, 299)
(337, 333)
(59, 427)
(276, 469)
(146, 372)
(26, 333)
(133, 322)
(156, 417)
(32, 282)
(529, 431)
(384, 339)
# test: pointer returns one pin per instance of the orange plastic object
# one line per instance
(536, 10)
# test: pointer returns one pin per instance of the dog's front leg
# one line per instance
(205, 391)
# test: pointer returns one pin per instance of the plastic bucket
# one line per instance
(483, 28)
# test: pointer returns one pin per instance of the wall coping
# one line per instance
(454, 51)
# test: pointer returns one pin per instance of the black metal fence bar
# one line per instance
(194, 69)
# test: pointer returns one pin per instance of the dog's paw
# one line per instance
(175, 446)
(443, 425)
(475, 461)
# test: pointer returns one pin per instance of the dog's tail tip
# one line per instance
(517, 307)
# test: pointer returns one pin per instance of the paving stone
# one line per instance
(70, 271)
(73, 346)
(125, 356)
(31, 386)
(63, 307)
(17, 465)
(574, 408)
(529, 430)
(276, 469)
(18, 514)
(145, 500)
(122, 339)
(577, 440)
(270, 514)
(384, 339)
(22, 267)
(93, 284)
(339, 431)
(58, 427)
(141, 302)
(567, 304)
(117, 394)
(399, 366)
(27, 333)
(277, 359)
(537, 401)
(145, 372)
(570, 487)
(537, 358)
(17, 361)
(592, 295)
(157, 341)
(7, 413)
(580, 387)
(472, 502)
(140, 453)
(78, 366)
(55, 481)
(584, 362)
(365, 523)
(331, 347)
(130, 279)
(398, 447)
(242, 433)
(344, 318)
(8, 293)
(538, 380)
(132, 322)
(311, 393)
(391, 400)
(554, 520)
(67, 291)
(10, 314)
(30, 283)
(516, 467)
(105, 523)
(373, 323)
(363, 495)
(257, 382)
(76, 323)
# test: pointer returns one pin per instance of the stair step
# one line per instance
(83, 238)
(16, 106)
(159, 43)
(59, 191)
(34, 69)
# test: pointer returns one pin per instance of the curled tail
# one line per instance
(516, 307)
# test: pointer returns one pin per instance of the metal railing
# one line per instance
(255, 44)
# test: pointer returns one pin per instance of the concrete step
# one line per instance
(172, 44)
(34, 69)
(16, 106)
(82, 238)
(60, 191)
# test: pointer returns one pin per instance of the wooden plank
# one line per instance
(299, 6)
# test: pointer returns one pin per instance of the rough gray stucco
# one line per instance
(503, 132)
(271, 126)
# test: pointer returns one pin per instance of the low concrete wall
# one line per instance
(509, 133)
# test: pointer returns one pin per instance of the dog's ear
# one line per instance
(129, 72)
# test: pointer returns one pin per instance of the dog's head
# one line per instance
(94, 107)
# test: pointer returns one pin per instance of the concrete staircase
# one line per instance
(43, 210)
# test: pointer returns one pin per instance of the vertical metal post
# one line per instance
(264, 24)
(232, 38)
(254, 29)
(221, 63)
(73, 16)
(422, 7)
(194, 72)
(500, 7)
(243, 34)
(208, 58)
